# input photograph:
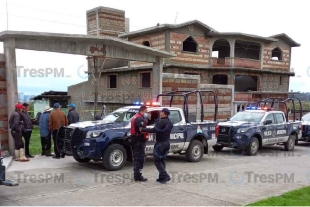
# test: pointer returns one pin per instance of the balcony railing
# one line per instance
(236, 62)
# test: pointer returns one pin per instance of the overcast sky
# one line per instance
(263, 18)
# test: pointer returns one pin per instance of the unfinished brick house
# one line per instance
(244, 67)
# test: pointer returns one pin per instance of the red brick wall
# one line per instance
(276, 65)
(201, 58)
(111, 22)
(156, 41)
(4, 139)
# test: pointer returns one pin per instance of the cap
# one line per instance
(166, 111)
(72, 105)
(19, 106)
(57, 105)
(47, 108)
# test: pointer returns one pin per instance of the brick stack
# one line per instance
(111, 22)
(4, 139)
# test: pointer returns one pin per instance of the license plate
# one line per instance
(87, 144)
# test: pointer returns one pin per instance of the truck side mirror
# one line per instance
(97, 117)
(228, 119)
(267, 122)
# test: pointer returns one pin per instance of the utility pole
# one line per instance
(96, 77)
(7, 16)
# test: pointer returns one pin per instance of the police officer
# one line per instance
(137, 123)
(162, 129)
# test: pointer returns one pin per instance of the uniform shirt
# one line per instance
(162, 129)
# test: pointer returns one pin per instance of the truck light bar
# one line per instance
(259, 108)
(149, 103)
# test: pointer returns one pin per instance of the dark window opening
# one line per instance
(193, 73)
(276, 54)
(145, 80)
(248, 50)
(112, 81)
(189, 45)
(220, 79)
(146, 43)
(245, 83)
(240, 107)
(221, 49)
(280, 80)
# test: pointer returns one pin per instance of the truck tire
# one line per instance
(218, 148)
(195, 151)
(290, 144)
(253, 147)
(114, 157)
(81, 160)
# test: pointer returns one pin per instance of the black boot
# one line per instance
(141, 179)
(43, 153)
(29, 156)
(48, 153)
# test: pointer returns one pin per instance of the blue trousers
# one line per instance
(139, 156)
(161, 149)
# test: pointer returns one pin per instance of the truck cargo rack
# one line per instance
(278, 100)
(185, 94)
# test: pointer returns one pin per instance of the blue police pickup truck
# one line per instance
(305, 128)
(103, 140)
(252, 129)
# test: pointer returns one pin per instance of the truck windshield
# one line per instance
(306, 117)
(120, 115)
(248, 116)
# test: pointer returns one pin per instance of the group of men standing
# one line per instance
(49, 123)
(162, 129)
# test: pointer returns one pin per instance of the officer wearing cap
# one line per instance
(162, 129)
(73, 116)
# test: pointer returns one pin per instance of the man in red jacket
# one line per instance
(137, 123)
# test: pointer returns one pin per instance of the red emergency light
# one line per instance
(154, 104)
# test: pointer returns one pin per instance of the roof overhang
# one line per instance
(243, 35)
(287, 39)
(88, 45)
(163, 27)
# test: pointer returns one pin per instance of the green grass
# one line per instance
(299, 197)
(35, 142)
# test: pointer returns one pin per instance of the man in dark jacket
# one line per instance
(162, 129)
(137, 123)
(73, 116)
(27, 129)
(16, 126)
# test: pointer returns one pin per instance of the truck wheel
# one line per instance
(114, 157)
(290, 144)
(253, 147)
(218, 148)
(81, 160)
(194, 152)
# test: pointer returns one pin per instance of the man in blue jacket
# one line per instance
(45, 134)
(162, 129)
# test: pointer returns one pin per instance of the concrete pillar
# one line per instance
(157, 80)
(11, 81)
(232, 52)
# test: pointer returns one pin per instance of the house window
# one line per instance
(280, 80)
(220, 79)
(276, 54)
(146, 43)
(189, 45)
(112, 81)
(244, 83)
(145, 80)
(192, 73)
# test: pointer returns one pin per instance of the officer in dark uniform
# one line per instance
(162, 129)
(138, 122)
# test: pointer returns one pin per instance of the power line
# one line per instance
(45, 20)
(55, 12)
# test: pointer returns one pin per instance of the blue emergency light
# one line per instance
(154, 104)
(138, 103)
(258, 108)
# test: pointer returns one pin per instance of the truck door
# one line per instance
(178, 133)
(269, 131)
(281, 127)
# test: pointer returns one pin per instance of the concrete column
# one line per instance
(232, 52)
(157, 80)
(11, 82)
